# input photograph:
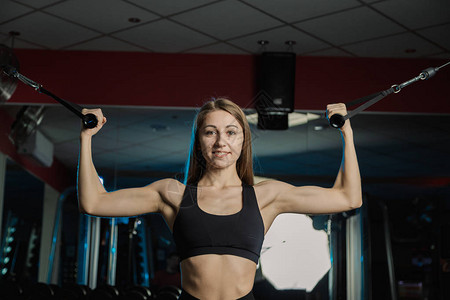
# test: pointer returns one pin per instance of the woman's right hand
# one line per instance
(101, 121)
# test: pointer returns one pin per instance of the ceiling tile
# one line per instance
(5, 39)
(92, 14)
(277, 39)
(43, 29)
(438, 34)
(335, 52)
(293, 11)
(218, 48)
(235, 19)
(416, 13)
(350, 26)
(164, 7)
(164, 36)
(38, 3)
(106, 43)
(443, 55)
(11, 10)
(394, 46)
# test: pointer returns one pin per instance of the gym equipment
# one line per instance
(7, 84)
(10, 65)
(337, 120)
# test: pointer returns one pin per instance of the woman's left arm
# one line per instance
(343, 196)
(348, 180)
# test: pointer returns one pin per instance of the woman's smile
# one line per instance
(220, 154)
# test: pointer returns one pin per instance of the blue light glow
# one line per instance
(191, 149)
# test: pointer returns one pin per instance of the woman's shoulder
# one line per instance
(269, 189)
(270, 184)
(168, 188)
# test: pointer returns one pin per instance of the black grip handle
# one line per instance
(337, 121)
(90, 121)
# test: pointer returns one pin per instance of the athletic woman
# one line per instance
(219, 216)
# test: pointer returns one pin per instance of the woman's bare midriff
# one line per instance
(217, 277)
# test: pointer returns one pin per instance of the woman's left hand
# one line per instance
(339, 108)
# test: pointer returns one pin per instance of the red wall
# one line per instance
(187, 80)
(150, 79)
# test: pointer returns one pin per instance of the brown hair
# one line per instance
(197, 163)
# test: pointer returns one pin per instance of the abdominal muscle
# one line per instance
(217, 277)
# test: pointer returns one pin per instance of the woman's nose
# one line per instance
(220, 140)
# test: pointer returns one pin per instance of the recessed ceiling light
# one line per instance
(410, 50)
(134, 20)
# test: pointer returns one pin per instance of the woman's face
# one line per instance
(221, 138)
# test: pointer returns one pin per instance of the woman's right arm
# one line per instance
(95, 200)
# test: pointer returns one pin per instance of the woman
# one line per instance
(219, 218)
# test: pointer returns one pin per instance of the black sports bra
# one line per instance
(197, 232)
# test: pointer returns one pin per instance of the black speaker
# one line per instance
(275, 89)
(276, 82)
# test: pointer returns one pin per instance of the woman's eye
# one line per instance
(231, 132)
(209, 132)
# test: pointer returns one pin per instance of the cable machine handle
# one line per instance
(337, 120)
(88, 120)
